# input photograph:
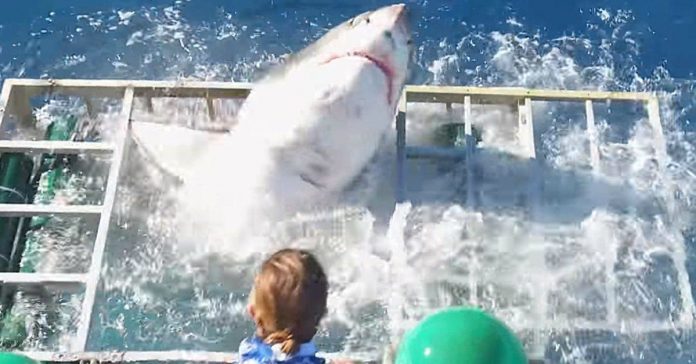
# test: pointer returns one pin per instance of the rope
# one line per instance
(12, 191)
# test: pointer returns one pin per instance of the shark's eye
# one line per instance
(358, 20)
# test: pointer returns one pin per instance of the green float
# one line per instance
(11, 358)
(461, 335)
(454, 135)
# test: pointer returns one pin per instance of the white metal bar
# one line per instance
(643, 327)
(415, 92)
(428, 93)
(659, 142)
(19, 105)
(184, 356)
(158, 356)
(592, 135)
(211, 108)
(468, 122)
(161, 356)
(470, 149)
(470, 188)
(171, 356)
(102, 230)
(4, 100)
(535, 180)
(135, 84)
(133, 356)
(688, 313)
(148, 105)
(620, 327)
(527, 141)
(401, 149)
(688, 308)
(42, 278)
(27, 210)
(525, 130)
(91, 111)
(55, 146)
(115, 88)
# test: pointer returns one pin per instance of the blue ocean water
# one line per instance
(616, 45)
(233, 40)
(36, 37)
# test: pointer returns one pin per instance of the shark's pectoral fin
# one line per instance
(173, 149)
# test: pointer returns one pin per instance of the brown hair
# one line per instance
(289, 298)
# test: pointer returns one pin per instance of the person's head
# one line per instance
(289, 298)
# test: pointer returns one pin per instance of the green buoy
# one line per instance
(11, 358)
(460, 336)
(454, 135)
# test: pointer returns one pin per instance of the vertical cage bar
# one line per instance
(470, 153)
(14, 100)
(592, 135)
(401, 150)
(659, 142)
(5, 101)
(100, 241)
(526, 128)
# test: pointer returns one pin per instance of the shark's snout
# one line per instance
(399, 8)
(401, 16)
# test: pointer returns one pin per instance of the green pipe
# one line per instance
(454, 135)
(15, 178)
(52, 175)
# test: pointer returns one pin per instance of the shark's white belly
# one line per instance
(320, 136)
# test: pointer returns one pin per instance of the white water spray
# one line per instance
(400, 274)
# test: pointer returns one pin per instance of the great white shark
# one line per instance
(303, 134)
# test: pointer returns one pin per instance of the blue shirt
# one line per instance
(256, 351)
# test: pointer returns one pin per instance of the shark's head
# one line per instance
(381, 36)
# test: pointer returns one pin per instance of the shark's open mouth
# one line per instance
(383, 66)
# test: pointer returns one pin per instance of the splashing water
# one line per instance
(398, 268)
(605, 250)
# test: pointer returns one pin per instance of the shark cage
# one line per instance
(34, 165)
